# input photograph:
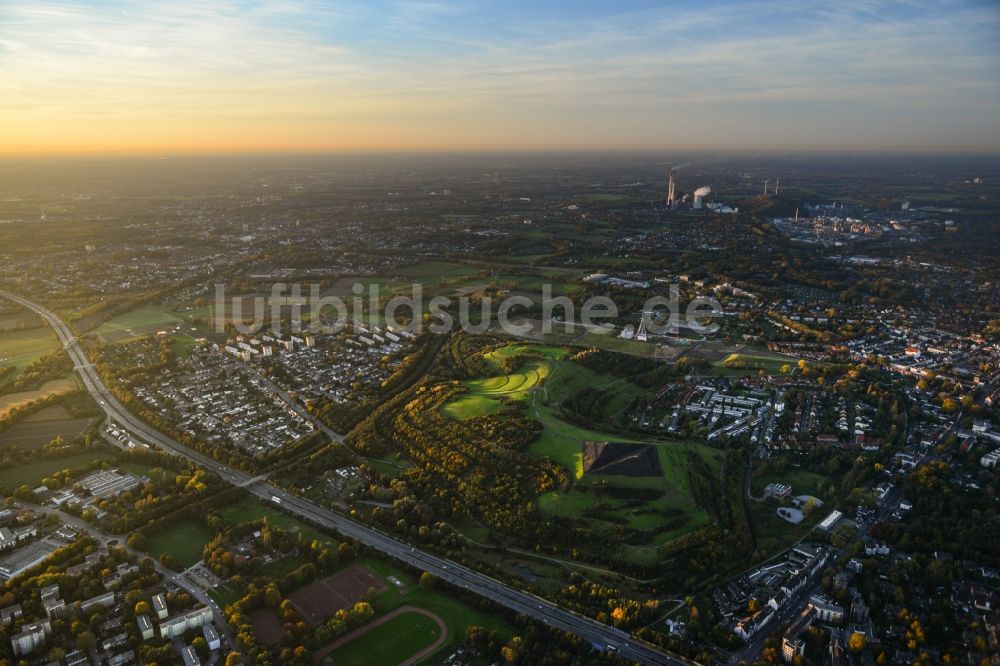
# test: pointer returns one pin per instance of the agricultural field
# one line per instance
(436, 269)
(17, 318)
(42, 427)
(31, 474)
(20, 348)
(51, 388)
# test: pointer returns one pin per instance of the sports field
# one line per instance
(226, 593)
(405, 595)
(751, 364)
(391, 640)
(320, 600)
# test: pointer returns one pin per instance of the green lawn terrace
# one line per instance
(643, 511)
(489, 395)
(648, 509)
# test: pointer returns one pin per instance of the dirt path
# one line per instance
(426, 652)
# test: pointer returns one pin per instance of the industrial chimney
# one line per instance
(700, 194)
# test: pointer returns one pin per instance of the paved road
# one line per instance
(178, 579)
(460, 576)
(294, 405)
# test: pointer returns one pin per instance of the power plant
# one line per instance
(697, 198)
(700, 194)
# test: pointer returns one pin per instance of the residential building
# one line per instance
(792, 647)
(211, 637)
(9, 614)
(176, 626)
(30, 638)
(160, 606)
(190, 657)
(145, 627)
(826, 609)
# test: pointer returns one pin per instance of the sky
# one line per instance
(107, 76)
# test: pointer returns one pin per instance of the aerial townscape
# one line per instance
(444, 335)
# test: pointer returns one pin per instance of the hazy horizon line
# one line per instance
(292, 152)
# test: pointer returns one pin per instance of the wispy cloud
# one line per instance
(449, 73)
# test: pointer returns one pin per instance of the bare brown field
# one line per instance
(325, 597)
(51, 388)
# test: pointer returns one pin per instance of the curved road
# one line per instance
(219, 617)
(519, 601)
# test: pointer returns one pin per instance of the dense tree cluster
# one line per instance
(477, 468)
(946, 518)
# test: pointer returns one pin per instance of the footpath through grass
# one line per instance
(183, 540)
(485, 396)
(660, 507)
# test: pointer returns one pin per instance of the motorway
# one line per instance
(519, 601)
